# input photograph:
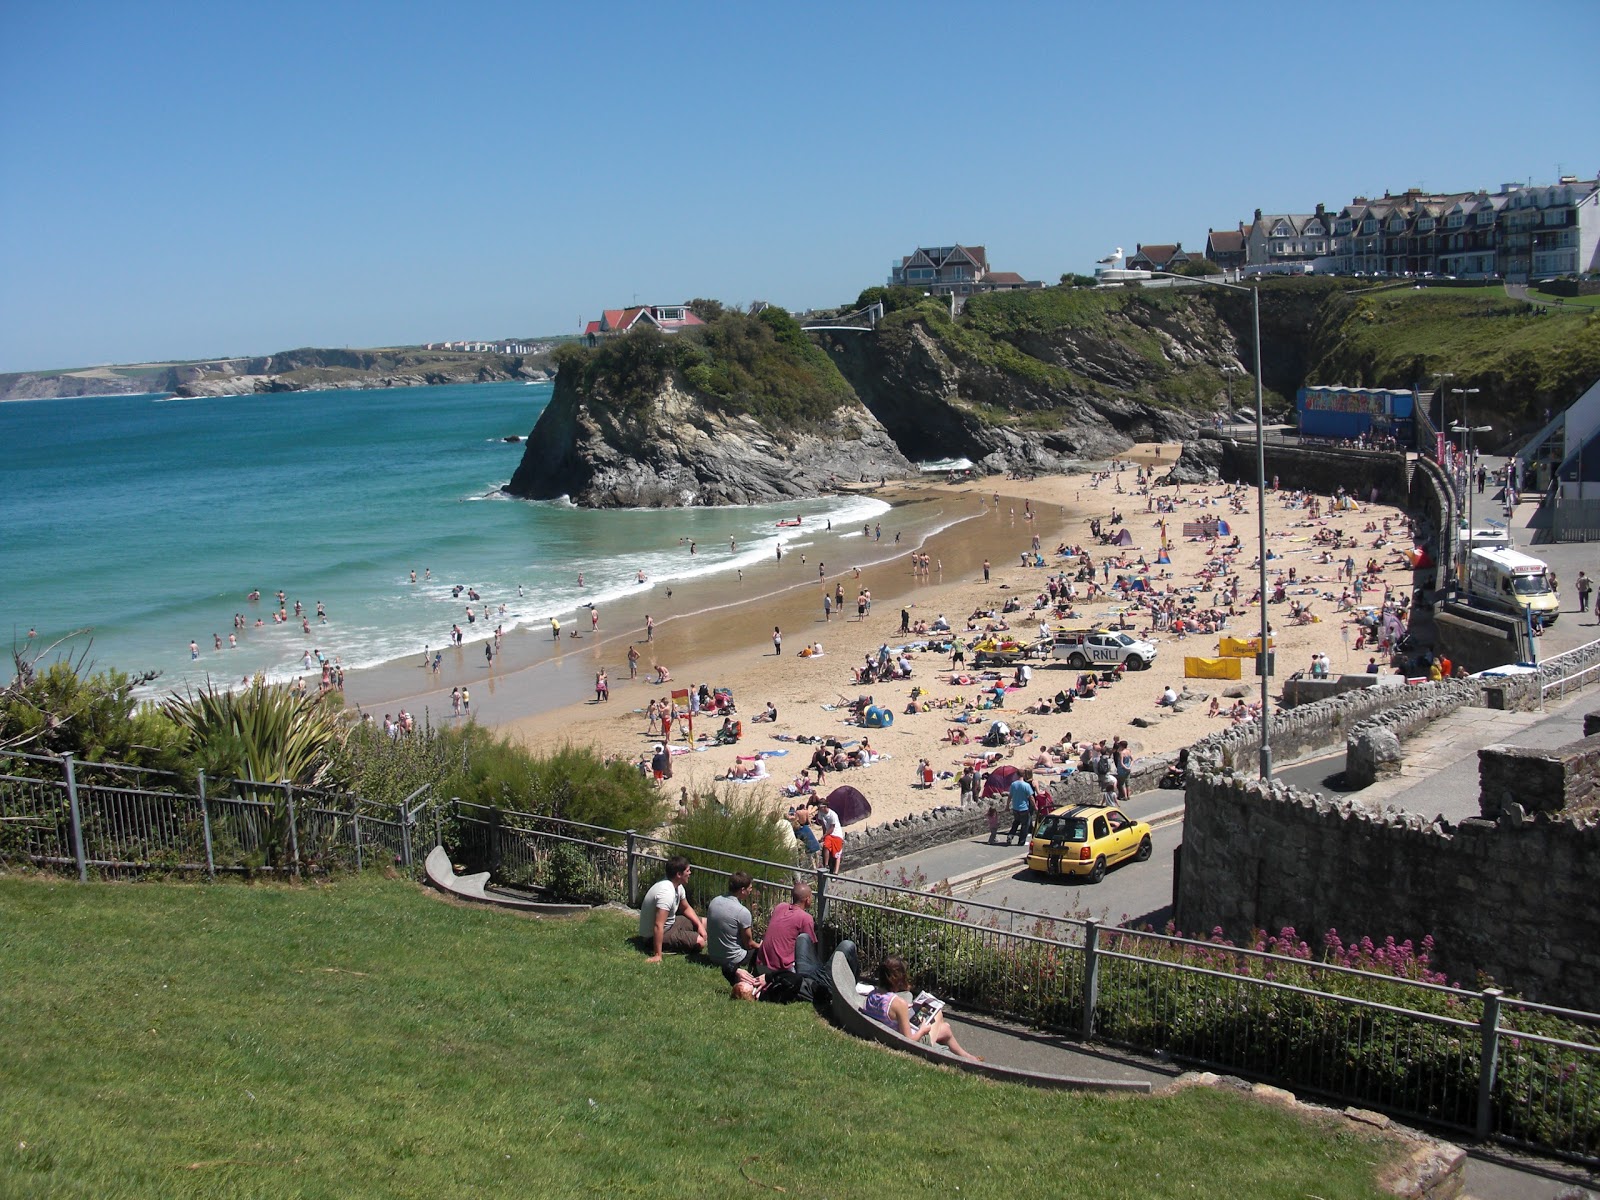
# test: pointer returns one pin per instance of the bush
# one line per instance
(64, 710)
(736, 820)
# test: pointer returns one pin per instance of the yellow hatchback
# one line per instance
(1085, 840)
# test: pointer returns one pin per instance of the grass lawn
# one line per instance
(366, 1039)
(1582, 302)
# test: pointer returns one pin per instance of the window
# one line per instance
(1369, 226)
(1424, 224)
(1455, 220)
(1101, 829)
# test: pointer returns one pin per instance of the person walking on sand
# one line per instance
(633, 662)
(555, 629)
(777, 641)
(827, 606)
(649, 628)
(986, 570)
(594, 620)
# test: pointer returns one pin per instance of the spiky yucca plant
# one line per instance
(263, 732)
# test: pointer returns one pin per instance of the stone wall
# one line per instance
(1326, 724)
(1476, 639)
(1319, 468)
(1515, 780)
(1432, 502)
(1373, 750)
(1520, 693)
(1306, 690)
(1519, 900)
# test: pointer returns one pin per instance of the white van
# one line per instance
(1513, 582)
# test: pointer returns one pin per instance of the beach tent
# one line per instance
(849, 805)
(877, 718)
(1000, 781)
(1123, 538)
(1163, 560)
(1223, 530)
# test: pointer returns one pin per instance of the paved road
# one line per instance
(1133, 893)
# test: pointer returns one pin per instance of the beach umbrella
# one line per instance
(1000, 781)
(849, 805)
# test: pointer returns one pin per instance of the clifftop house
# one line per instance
(1226, 247)
(1158, 257)
(954, 271)
(1520, 232)
(668, 318)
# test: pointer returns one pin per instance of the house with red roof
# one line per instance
(1226, 247)
(668, 318)
(1158, 257)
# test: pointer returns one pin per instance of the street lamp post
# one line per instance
(1265, 659)
(1467, 443)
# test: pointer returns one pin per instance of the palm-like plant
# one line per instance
(263, 734)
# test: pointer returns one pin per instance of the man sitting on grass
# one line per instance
(667, 921)
(732, 943)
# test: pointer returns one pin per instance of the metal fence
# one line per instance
(116, 821)
(1574, 520)
(1470, 1061)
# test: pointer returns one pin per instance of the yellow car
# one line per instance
(1086, 839)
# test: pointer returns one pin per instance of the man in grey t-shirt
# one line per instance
(730, 940)
(667, 921)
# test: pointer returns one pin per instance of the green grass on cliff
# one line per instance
(363, 1039)
(1521, 358)
(763, 365)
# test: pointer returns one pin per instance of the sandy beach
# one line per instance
(727, 641)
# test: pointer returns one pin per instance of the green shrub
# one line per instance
(736, 819)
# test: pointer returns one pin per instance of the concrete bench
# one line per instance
(849, 1014)
(442, 874)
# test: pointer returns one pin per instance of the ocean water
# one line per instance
(140, 523)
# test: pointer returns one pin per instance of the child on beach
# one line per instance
(992, 820)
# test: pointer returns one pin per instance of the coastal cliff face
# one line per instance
(1013, 392)
(674, 451)
(324, 370)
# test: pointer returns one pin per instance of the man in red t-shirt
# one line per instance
(789, 947)
(788, 922)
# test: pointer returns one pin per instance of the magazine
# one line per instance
(924, 1009)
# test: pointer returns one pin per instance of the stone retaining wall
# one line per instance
(1433, 502)
(1308, 691)
(1373, 750)
(1519, 900)
(1476, 639)
(1515, 780)
(1326, 724)
(1520, 693)
(1320, 468)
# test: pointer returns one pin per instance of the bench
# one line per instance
(850, 1016)
(442, 874)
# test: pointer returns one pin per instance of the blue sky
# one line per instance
(185, 181)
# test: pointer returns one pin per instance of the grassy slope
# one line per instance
(364, 1039)
(1373, 337)
(1521, 361)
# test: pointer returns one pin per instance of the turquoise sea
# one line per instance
(141, 523)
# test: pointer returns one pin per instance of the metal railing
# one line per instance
(115, 821)
(1470, 1061)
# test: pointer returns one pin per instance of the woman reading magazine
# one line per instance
(922, 1018)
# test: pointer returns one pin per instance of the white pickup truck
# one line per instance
(1085, 648)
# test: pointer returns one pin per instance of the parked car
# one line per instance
(1087, 839)
(1102, 648)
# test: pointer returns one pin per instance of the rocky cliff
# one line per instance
(676, 451)
(322, 370)
(1047, 398)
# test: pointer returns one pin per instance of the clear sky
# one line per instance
(194, 180)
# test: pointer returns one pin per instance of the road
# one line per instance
(1132, 894)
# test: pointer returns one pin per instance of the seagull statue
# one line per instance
(1110, 258)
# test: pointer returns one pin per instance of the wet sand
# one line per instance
(720, 632)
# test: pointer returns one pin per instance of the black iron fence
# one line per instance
(1470, 1061)
(113, 821)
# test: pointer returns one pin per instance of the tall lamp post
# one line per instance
(1462, 427)
(1264, 661)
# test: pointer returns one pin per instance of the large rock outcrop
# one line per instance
(1050, 398)
(675, 451)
